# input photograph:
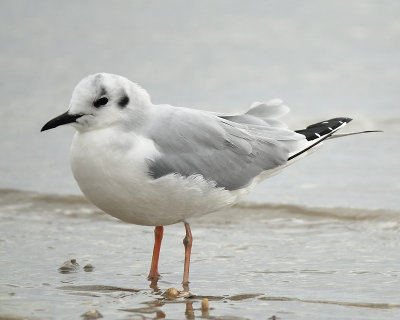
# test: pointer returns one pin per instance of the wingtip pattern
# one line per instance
(323, 128)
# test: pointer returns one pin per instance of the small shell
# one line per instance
(171, 293)
(69, 266)
(91, 314)
(88, 268)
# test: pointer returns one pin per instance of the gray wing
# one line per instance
(231, 154)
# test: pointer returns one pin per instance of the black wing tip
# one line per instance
(333, 121)
(320, 131)
(323, 128)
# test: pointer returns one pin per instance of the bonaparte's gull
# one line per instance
(156, 165)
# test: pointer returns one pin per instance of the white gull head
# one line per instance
(102, 100)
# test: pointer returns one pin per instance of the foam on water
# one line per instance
(20, 202)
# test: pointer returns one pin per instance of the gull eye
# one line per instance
(100, 102)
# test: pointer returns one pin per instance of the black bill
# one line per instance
(64, 118)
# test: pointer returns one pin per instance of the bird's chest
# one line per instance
(111, 171)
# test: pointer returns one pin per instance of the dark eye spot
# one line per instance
(100, 102)
(123, 101)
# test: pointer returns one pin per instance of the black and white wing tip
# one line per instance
(324, 128)
(318, 132)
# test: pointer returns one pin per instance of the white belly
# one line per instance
(112, 173)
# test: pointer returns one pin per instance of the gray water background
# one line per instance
(324, 59)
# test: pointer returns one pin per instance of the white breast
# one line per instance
(111, 171)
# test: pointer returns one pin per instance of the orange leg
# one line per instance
(187, 242)
(158, 235)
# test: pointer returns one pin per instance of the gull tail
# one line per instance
(318, 132)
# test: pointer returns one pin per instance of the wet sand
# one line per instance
(250, 262)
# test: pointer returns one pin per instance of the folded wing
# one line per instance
(228, 150)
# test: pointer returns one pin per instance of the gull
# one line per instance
(156, 165)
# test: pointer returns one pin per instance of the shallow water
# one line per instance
(320, 240)
(251, 262)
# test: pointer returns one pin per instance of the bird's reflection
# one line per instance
(154, 285)
(160, 315)
(189, 310)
